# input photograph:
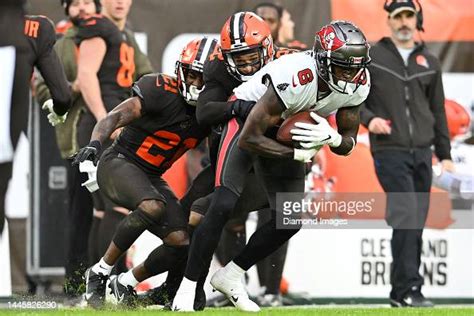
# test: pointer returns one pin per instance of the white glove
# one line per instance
(53, 118)
(314, 135)
(91, 170)
(304, 155)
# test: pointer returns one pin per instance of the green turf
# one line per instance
(324, 311)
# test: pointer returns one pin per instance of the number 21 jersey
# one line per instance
(167, 128)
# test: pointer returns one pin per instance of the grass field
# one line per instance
(306, 311)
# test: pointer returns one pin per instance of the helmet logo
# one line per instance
(329, 37)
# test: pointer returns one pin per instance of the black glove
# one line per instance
(90, 152)
(241, 108)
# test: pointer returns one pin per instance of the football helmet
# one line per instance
(342, 55)
(245, 32)
(458, 118)
(193, 57)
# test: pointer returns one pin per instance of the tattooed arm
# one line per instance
(122, 115)
(347, 120)
(265, 114)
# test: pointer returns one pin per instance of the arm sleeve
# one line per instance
(52, 70)
(436, 99)
(212, 107)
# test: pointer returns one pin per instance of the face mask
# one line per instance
(192, 95)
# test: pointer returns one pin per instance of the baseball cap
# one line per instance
(398, 6)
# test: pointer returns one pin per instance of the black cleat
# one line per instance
(199, 299)
(414, 298)
(125, 295)
(95, 288)
(156, 296)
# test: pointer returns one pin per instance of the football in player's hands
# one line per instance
(284, 135)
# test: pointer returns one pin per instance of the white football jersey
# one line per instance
(295, 80)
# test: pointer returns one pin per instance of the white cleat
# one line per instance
(183, 301)
(234, 290)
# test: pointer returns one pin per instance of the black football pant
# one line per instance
(409, 175)
(233, 166)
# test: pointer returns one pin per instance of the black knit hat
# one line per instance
(66, 3)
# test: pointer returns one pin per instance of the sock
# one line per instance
(128, 279)
(233, 271)
(102, 267)
(187, 286)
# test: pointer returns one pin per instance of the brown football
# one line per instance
(284, 135)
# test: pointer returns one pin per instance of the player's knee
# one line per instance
(154, 208)
(177, 238)
(195, 219)
(236, 228)
(223, 203)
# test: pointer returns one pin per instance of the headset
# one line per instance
(419, 13)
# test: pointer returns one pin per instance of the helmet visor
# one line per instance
(247, 62)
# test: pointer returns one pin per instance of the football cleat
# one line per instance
(413, 298)
(234, 290)
(95, 288)
(270, 300)
(156, 296)
(125, 295)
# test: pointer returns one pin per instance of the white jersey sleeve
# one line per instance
(293, 77)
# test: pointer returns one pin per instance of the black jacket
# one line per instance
(411, 97)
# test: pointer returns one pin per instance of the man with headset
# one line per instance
(405, 115)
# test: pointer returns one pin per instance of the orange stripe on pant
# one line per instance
(232, 129)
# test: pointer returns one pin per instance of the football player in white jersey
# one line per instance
(331, 77)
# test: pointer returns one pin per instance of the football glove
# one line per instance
(314, 135)
(304, 155)
(90, 152)
(241, 108)
(53, 118)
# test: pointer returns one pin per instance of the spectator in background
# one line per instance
(405, 115)
(270, 13)
(79, 214)
(281, 25)
(286, 36)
